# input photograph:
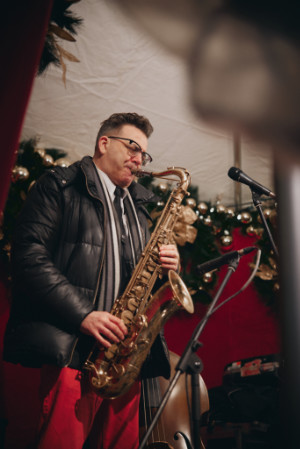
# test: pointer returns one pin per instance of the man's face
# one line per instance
(117, 160)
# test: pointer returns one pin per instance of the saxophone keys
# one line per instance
(151, 265)
(117, 370)
(111, 351)
(127, 316)
(144, 341)
(145, 277)
(98, 382)
(133, 304)
(127, 347)
(139, 290)
(142, 321)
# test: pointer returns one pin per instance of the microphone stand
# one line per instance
(191, 364)
(257, 203)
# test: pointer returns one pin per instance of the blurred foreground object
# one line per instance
(243, 60)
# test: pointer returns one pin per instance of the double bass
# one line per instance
(175, 417)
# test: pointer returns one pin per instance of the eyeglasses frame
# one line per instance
(146, 158)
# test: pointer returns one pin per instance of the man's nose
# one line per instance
(137, 158)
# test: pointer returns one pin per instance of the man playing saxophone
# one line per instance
(77, 240)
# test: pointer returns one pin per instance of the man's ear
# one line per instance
(102, 144)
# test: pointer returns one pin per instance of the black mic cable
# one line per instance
(244, 286)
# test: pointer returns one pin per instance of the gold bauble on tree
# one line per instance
(251, 231)
(191, 202)
(208, 221)
(230, 212)
(244, 217)
(226, 240)
(162, 187)
(208, 277)
(267, 213)
(202, 208)
(62, 162)
(19, 173)
(40, 151)
(221, 209)
(48, 160)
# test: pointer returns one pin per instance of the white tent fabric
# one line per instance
(121, 69)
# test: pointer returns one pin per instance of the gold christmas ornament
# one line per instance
(226, 240)
(48, 160)
(259, 232)
(19, 173)
(191, 202)
(202, 208)
(40, 151)
(221, 209)
(62, 162)
(250, 230)
(267, 213)
(162, 187)
(207, 221)
(230, 212)
(276, 287)
(208, 277)
(244, 217)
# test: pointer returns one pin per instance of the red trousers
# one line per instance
(72, 412)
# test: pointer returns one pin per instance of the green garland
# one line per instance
(32, 161)
(62, 25)
(214, 224)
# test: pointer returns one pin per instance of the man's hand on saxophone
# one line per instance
(169, 258)
(104, 327)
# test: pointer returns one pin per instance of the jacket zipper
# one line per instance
(100, 265)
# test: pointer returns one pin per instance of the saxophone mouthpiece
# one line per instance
(141, 173)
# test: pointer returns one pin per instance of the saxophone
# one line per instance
(113, 371)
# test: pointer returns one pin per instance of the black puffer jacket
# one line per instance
(57, 258)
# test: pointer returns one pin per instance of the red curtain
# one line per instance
(22, 34)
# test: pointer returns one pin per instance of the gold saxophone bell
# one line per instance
(113, 371)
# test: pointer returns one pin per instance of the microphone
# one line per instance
(219, 261)
(238, 175)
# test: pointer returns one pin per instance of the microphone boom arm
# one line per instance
(257, 203)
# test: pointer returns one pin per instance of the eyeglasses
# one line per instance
(134, 148)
